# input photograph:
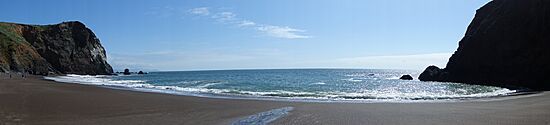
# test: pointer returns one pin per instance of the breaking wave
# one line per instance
(385, 90)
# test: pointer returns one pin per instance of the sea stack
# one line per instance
(406, 77)
(507, 44)
(65, 48)
(126, 72)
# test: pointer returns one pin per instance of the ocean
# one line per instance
(353, 85)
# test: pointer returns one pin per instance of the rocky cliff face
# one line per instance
(507, 44)
(67, 48)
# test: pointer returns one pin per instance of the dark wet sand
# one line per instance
(35, 101)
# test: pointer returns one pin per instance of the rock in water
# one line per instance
(406, 77)
(67, 48)
(432, 73)
(507, 44)
(141, 72)
(126, 72)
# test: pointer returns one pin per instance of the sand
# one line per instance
(32, 100)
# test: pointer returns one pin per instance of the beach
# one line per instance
(32, 100)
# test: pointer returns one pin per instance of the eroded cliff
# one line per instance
(507, 44)
(67, 48)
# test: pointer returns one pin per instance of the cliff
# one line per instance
(66, 48)
(507, 44)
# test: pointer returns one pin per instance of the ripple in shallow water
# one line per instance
(263, 118)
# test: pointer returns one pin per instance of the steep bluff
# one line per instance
(507, 44)
(67, 48)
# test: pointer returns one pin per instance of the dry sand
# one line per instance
(35, 101)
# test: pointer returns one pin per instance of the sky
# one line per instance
(175, 35)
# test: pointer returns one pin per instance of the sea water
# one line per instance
(293, 84)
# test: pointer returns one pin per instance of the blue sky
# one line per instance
(250, 34)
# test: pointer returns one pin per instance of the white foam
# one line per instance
(95, 80)
(353, 80)
(209, 84)
(319, 83)
(134, 84)
(393, 93)
(383, 93)
(394, 77)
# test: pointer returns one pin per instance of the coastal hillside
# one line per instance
(66, 48)
(507, 44)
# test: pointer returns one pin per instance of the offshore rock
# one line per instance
(406, 77)
(126, 72)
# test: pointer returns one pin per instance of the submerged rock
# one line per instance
(67, 48)
(406, 77)
(505, 45)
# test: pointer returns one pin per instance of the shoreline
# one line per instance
(175, 90)
(519, 94)
(37, 101)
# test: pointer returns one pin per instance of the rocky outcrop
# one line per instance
(433, 73)
(67, 48)
(406, 77)
(126, 72)
(507, 44)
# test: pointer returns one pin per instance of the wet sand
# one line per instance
(32, 100)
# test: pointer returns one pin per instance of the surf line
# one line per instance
(263, 118)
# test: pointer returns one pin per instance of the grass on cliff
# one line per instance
(9, 30)
(16, 54)
(41, 27)
(9, 38)
(6, 47)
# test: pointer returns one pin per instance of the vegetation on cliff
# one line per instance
(67, 48)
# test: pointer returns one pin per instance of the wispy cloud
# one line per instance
(231, 18)
(225, 16)
(246, 23)
(204, 11)
(282, 32)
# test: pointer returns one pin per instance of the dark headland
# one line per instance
(65, 48)
(507, 44)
